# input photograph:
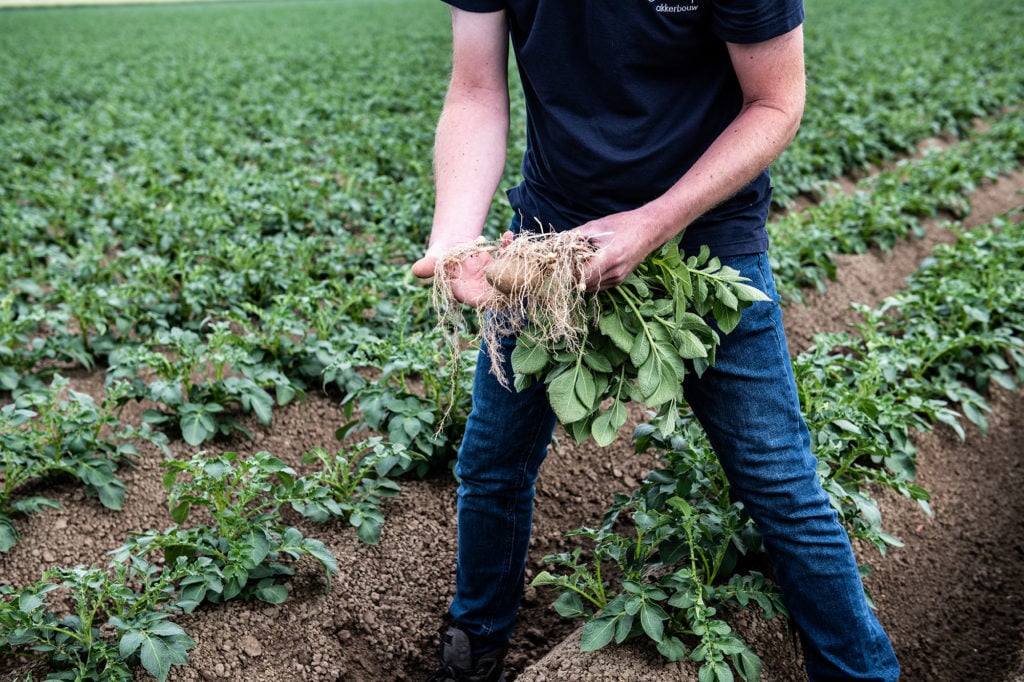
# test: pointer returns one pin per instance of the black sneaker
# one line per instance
(458, 664)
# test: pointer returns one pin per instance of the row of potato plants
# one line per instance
(123, 615)
(58, 432)
(240, 553)
(689, 551)
(894, 83)
(237, 204)
(889, 206)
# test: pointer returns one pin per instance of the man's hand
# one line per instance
(468, 283)
(623, 240)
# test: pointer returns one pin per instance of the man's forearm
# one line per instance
(771, 76)
(470, 144)
(469, 159)
(757, 136)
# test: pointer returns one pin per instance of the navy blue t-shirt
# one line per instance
(623, 96)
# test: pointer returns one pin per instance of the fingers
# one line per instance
(471, 286)
(424, 267)
(595, 279)
(464, 276)
(609, 266)
(600, 268)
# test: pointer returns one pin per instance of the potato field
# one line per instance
(228, 416)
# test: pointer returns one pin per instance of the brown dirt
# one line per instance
(951, 599)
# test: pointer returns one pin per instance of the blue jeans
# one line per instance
(747, 403)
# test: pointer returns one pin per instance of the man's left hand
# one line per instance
(623, 240)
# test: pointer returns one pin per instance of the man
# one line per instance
(645, 119)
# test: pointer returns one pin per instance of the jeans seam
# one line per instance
(762, 266)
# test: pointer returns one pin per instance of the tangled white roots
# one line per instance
(538, 281)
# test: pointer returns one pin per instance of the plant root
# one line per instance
(538, 281)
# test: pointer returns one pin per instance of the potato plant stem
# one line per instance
(630, 301)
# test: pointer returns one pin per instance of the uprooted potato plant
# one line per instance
(596, 351)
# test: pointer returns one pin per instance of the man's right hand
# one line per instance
(468, 283)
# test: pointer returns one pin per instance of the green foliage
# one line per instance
(879, 81)
(28, 356)
(647, 329)
(58, 432)
(677, 570)
(925, 356)
(416, 400)
(352, 483)
(120, 617)
(199, 379)
(243, 550)
(888, 207)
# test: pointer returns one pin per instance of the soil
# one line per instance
(951, 599)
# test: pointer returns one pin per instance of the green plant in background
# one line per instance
(418, 401)
(120, 617)
(921, 358)
(246, 547)
(351, 483)
(306, 331)
(861, 416)
(33, 340)
(55, 432)
(199, 378)
(887, 207)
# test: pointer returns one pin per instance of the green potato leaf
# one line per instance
(689, 346)
(640, 351)
(725, 296)
(529, 357)
(610, 324)
(597, 633)
(597, 361)
(585, 388)
(564, 400)
(606, 426)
